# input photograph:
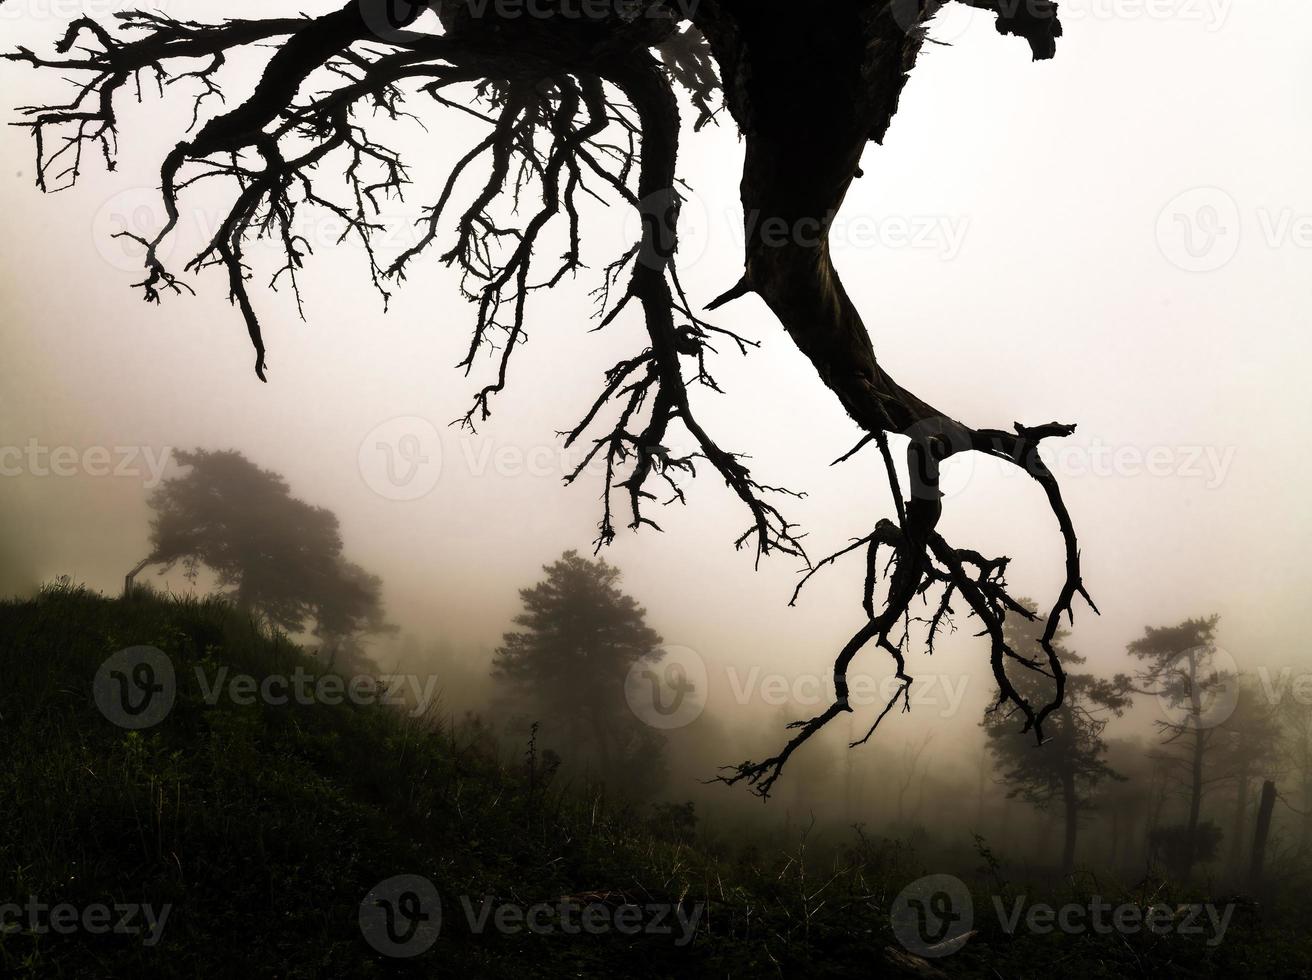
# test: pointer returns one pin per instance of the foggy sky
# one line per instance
(1009, 252)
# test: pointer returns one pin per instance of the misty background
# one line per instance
(1031, 244)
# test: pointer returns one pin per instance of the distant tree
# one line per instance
(1180, 846)
(1248, 750)
(274, 554)
(349, 606)
(1296, 749)
(1128, 803)
(1180, 669)
(912, 755)
(579, 635)
(1162, 780)
(1068, 767)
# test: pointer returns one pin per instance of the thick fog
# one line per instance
(1118, 238)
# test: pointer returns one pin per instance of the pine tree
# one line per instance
(1070, 765)
(566, 666)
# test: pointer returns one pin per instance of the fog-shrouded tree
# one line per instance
(348, 608)
(1127, 804)
(1295, 715)
(910, 767)
(582, 101)
(565, 666)
(1249, 751)
(1072, 766)
(272, 553)
(1179, 667)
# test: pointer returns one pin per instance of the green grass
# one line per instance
(262, 827)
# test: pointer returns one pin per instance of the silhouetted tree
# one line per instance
(1179, 669)
(579, 101)
(1182, 846)
(274, 554)
(910, 767)
(1070, 765)
(567, 663)
(348, 607)
(1296, 748)
(1127, 804)
(1248, 750)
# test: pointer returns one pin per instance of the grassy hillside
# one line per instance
(262, 827)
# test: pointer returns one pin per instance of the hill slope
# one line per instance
(252, 831)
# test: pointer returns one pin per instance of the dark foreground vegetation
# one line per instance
(261, 828)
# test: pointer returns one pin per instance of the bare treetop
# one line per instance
(579, 98)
